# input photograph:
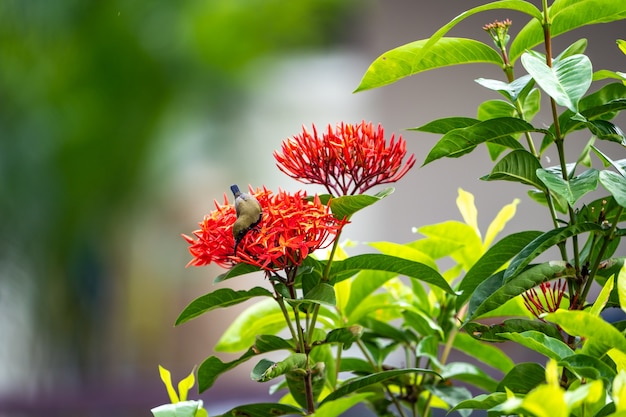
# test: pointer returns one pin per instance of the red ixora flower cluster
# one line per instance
(548, 301)
(292, 227)
(347, 160)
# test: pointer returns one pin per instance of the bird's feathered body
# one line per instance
(248, 211)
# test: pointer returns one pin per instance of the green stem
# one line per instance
(596, 264)
(375, 366)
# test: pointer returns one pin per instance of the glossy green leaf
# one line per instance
(518, 166)
(462, 141)
(573, 189)
(492, 333)
(422, 323)
(588, 367)
(603, 297)
(339, 406)
(491, 261)
(481, 402)
(515, 286)
(322, 293)
(264, 410)
(531, 104)
(483, 352)
(614, 184)
(469, 373)
(451, 395)
(621, 287)
(364, 284)
(345, 206)
(603, 104)
(510, 90)
(545, 242)
(356, 384)
(345, 335)
(264, 317)
(523, 378)
(223, 297)
(600, 336)
(180, 409)
(539, 342)
(566, 81)
(405, 251)
(443, 126)
(386, 263)
(213, 367)
(566, 16)
(603, 129)
(493, 109)
(413, 58)
(235, 271)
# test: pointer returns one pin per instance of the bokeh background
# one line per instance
(122, 121)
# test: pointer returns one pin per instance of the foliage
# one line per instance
(341, 320)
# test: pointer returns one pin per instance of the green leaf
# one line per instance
(600, 336)
(621, 287)
(322, 293)
(458, 142)
(614, 184)
(224, 297)
(481, 402)
(565, 16)
(264, 317)
(519, 166)
(263, 410)
(364, 284)
(414, 58)
(345, 206)
(213, 367)
(494, 109)
(515, 286)
(573, 189)
(545, 242)
(235, 271)
(523, 378)
(483, 352)
(566, 81)
(492, 333)
(491, 261)
(345, 335)
(356, 384)
(386, 263)
(405, 251)
(467, 372)
(517, 5)
(509, 90)
(442, 126)
(603, 129)
(338, 406)
(451, 395)
(180, 409)
(585, 366)
(539, 342)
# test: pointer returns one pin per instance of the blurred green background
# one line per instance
(121, 121)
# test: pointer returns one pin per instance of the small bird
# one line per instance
(248, 211)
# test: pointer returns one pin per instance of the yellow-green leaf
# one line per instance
(602, 299)
(166, 377)
(619, 391)
(621, 286)
(504, 215)
(465, 203)
(185, 385)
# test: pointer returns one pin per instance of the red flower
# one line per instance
(548, 301)
(348, 160)
(291, 228)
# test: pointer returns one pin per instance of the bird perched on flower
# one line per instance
(248, 211)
